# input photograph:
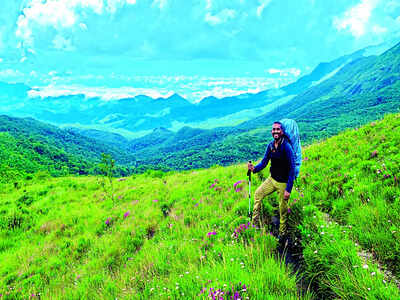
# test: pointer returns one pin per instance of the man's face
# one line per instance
(276, 131)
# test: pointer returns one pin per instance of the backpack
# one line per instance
(292, 133)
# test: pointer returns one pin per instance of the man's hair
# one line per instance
(277, 122)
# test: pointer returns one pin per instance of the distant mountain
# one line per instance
(141, 114)
(107, 137)
(363, 90)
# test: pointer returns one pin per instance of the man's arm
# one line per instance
(264, 161)
(290, 158)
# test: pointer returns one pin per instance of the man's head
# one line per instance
(277, 131)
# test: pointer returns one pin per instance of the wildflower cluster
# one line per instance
(243, 231)
(214, 185)
(237, 185)
(235, 292)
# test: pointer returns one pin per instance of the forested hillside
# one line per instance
(28, 146)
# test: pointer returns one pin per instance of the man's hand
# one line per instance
(286, 195)
(250, 166)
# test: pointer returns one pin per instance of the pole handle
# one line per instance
(249, 172)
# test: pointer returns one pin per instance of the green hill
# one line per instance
(28, 146)
(184, 235)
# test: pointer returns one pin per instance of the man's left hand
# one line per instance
(286, 195)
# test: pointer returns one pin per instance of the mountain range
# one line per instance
(139, 115)
(344, 93)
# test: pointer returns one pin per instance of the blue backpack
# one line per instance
(292, 133)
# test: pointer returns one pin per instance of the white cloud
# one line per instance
(285, 72)
(273, 71)
(160, 3)
(356, 18)
(61, 14)
(222, 17)
(260, 8)
(100, 92)
(1, 60)
(194, 88)
(208, 4)
(62, 43)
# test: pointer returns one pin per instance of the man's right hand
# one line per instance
(250, 167)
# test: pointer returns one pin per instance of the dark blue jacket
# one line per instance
(282, 163)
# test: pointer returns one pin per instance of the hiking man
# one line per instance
(282, 170)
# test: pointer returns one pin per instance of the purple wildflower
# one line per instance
(126, 214)
(238, 189)
(211, 233)
(108, 221)
(289, 210)
(236, 183)
(155, 200)
(197, 204)
(211, 186)
(306, 158)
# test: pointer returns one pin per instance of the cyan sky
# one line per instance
(195, 48)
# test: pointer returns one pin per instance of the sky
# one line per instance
(119, 48)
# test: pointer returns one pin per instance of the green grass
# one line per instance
(155, 244)
(171, 235)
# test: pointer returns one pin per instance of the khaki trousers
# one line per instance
(267, 187)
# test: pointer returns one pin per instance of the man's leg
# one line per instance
(266, 188)
(283, 207)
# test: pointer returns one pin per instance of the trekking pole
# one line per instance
(249, 175)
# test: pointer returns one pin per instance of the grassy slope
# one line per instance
(54, 239)
(354, 177)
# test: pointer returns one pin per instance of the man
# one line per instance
(280, 152)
